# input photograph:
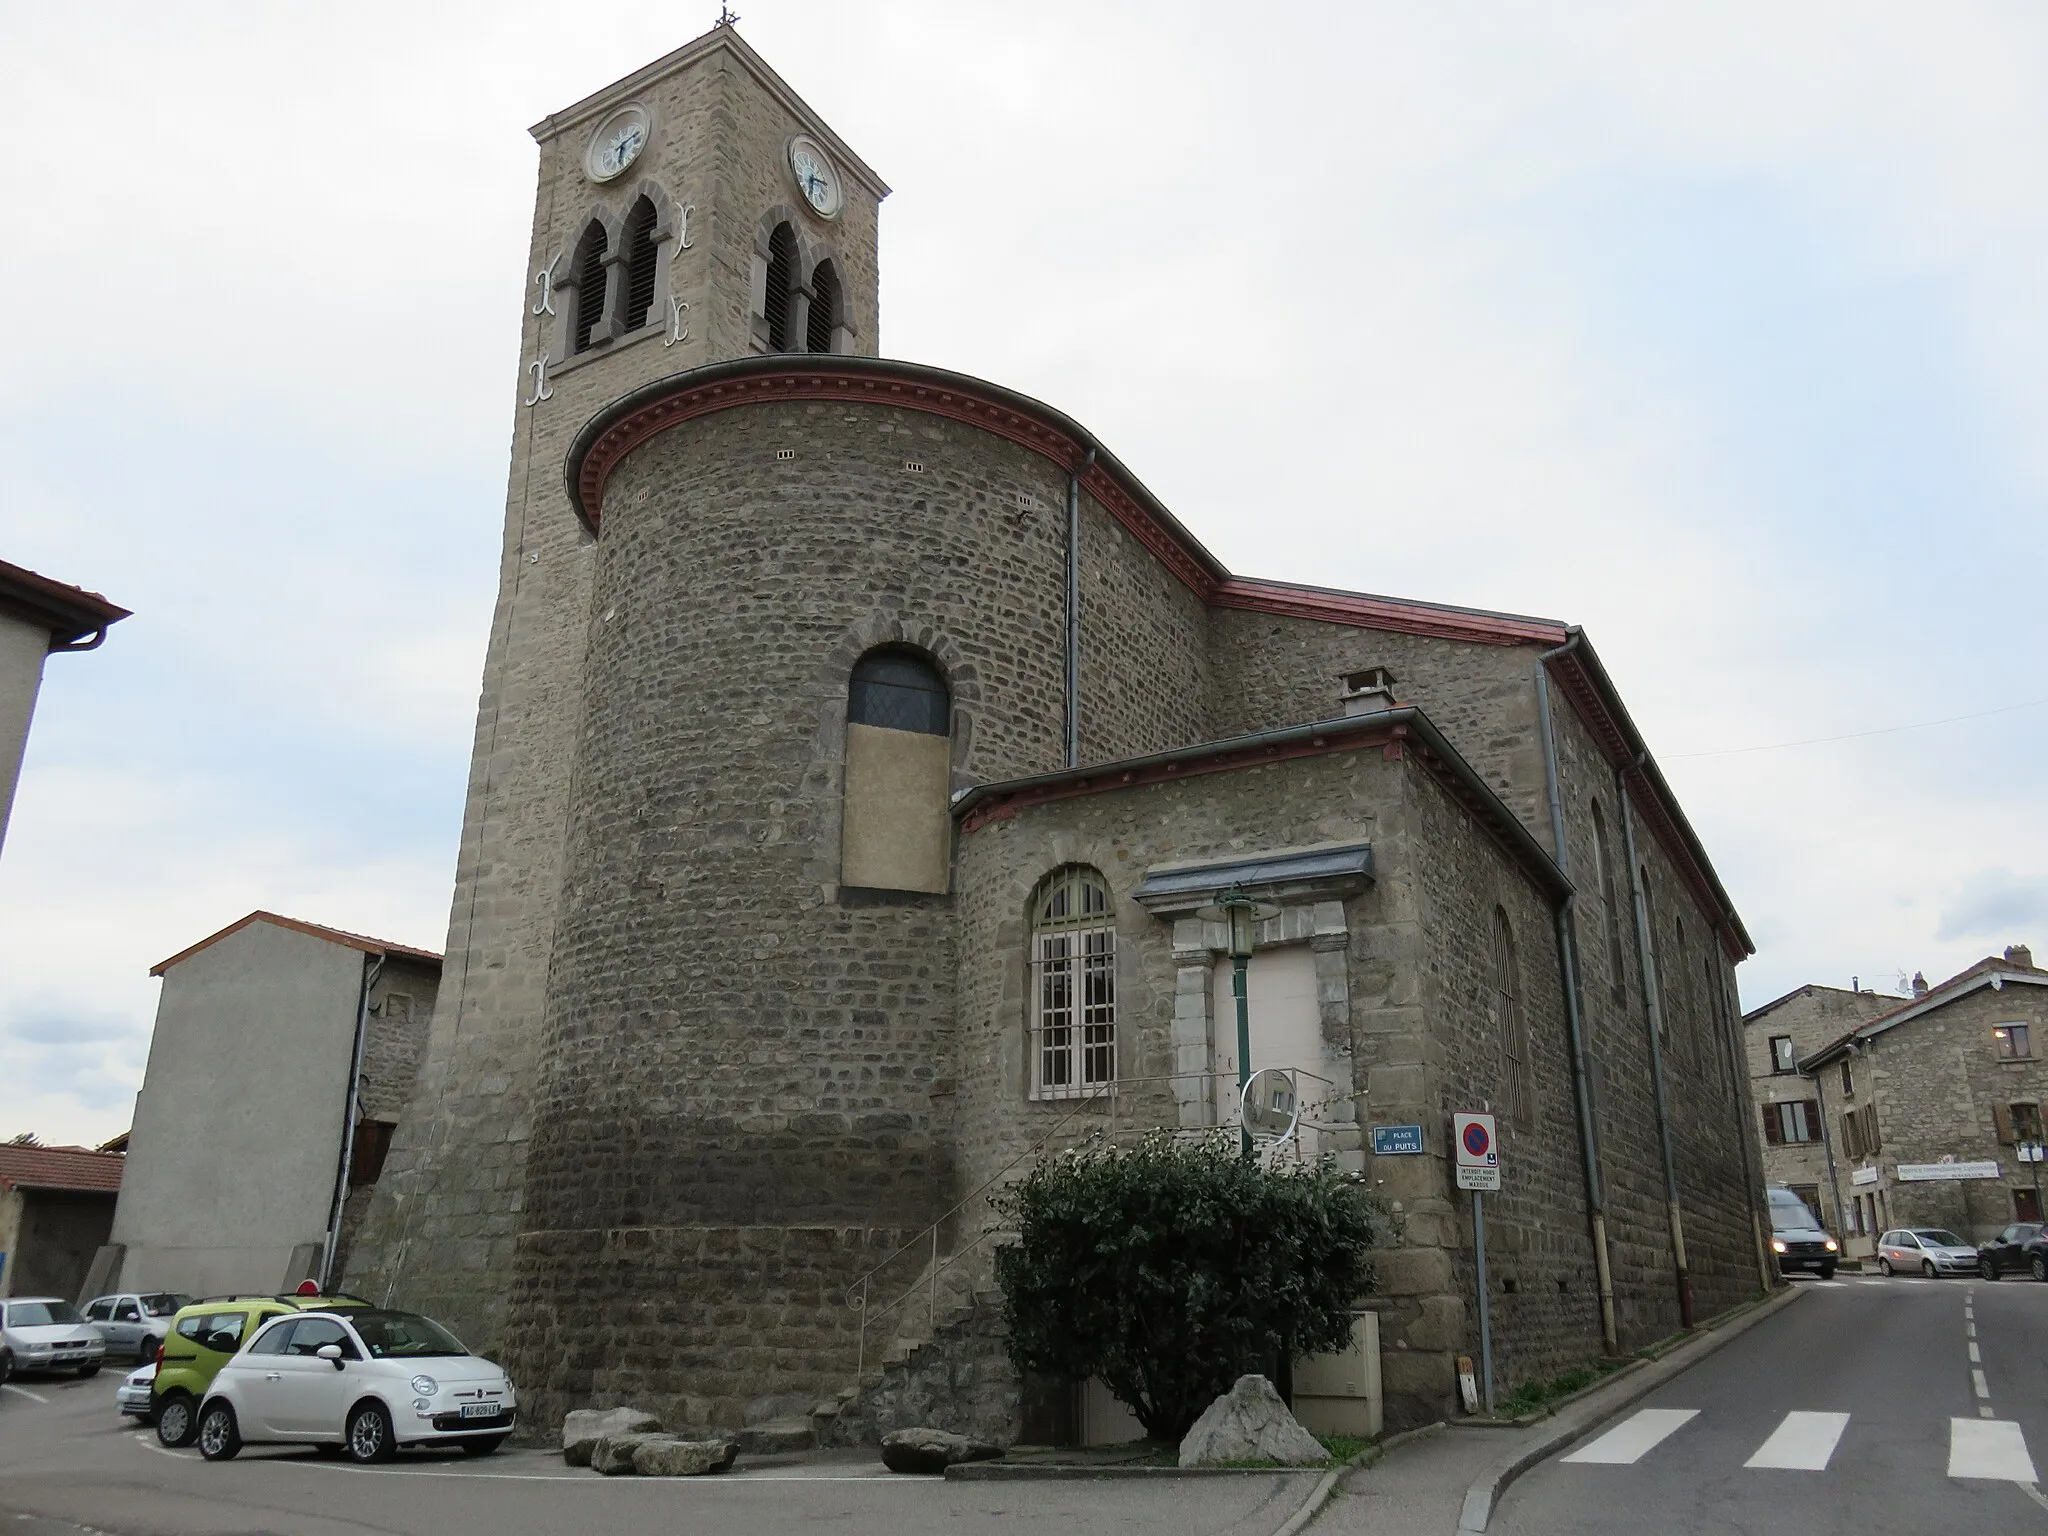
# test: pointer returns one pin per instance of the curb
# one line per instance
(1607, 1402)
(1319, 1495)
(1040, 1472)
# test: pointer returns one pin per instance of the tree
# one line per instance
(1172, 1267)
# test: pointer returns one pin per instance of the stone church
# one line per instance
(860, 746)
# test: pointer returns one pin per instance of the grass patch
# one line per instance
(1535, 1396)
(1343, 1447)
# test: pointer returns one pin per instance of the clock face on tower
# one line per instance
(616, 144)
(815, 177)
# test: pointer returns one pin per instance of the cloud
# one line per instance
(1998, 905)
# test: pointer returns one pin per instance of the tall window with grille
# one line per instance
(1073, 985)
(1512, 1023)
(778, 305)
(823, 318)
(588, 275)
(637, 247)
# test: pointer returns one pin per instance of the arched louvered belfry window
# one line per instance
(636, 245)
(778, 308)
(823, 319)
(588, 274)
(1511, 1022)
(1073, 984)
(896, 824)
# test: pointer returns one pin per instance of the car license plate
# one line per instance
(479, 1410)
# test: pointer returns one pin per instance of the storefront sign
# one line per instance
(1912, 1173)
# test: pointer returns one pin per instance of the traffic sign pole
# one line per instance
(1476, 1152)
(1485, 1312)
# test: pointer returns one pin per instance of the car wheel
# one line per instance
(219, 1439)
(1827, 1271)
(6, 1364)
(482, 1447)
(85, 1372)
(1927, 1268)
(176, 1423)
(1884, 1267)
(369, 1434)
(2039, 1265)
(1987, 1269)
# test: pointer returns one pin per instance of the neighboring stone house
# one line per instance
(38, 617)
(281, 1056)
(56, 1206)
(1778, 1036)
(1925, 1108)
(860, 743)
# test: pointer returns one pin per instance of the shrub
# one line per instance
(1172, 1267)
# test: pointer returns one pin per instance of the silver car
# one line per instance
(45, 1333)
(1930, 1251)
(135, 1323)
(132, 1396)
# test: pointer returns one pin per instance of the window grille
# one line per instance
(1512, 1022)
(899, 691)
(1073, 992)
(776, 306)
(590, 281)
(824, 316)
(637, 245)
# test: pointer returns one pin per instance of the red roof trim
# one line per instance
(368, 946)
(1366, 611)
(62, 1168)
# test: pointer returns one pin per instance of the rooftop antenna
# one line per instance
(725, 17)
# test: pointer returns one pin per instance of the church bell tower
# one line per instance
(695, 212)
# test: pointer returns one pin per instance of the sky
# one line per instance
(1716, 329)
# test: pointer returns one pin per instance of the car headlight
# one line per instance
(1829, 1245)
(1777, 1245)
(426, 1386)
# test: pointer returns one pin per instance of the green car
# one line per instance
(201, 1339)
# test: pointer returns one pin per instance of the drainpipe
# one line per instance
(1074, 609)
(1653, 1017)
(373, 967)
(1568, 961)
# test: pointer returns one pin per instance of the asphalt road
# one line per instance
(71, 1465)
(1874, 1405)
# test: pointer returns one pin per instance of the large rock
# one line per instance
(613, 1455)
(586, 1426)
(931, 1451)
(663, 1457)
(1250, 1423)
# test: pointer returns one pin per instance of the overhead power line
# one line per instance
(1883, 730)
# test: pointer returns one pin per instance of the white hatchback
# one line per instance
(359, 1383)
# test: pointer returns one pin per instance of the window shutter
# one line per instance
(1774, 1130)
(1850, 1141)
(1873, 1142)
(2002, 1113)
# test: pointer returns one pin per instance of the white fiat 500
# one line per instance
(359, 1383)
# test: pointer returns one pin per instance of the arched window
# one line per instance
(588, 275)
(1073, 985)
(823, 319)
(778, 305)
(1610, 904)
(1678, 983)
(1511, 1023)
(896, 823)
(636, 246)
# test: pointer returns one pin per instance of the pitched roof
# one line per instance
(369, 946)
(68, 1168)
(1812, 986)
(69, 613)
(1991, 971)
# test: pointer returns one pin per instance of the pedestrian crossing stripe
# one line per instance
(1806, 1441)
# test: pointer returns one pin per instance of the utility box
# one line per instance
(1339, 1394)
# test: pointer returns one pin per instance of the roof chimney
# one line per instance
(1368, 692)
(2019, 955)
(1919, 984)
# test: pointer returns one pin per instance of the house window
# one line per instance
(1848, 1080)
(2019, 1123)
(1511, 1021)
(1073, 985)
(823, 319)
(2013, 1042)
(1792, 1123)
(1782, 1058)
(898, 691)
(778, 306)
(372, 1144)
(587, 274)
(636, 244)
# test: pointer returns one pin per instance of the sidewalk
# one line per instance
(1445, 1481)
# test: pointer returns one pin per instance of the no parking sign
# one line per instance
(1478, 1151)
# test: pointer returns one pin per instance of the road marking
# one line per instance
(1984, 1411)
(1972, 1329)
(1802, 1442)
(8, 1386)
(1994, 1448)
(1627, 1441)
(1975, 1357)
(1977, 1379)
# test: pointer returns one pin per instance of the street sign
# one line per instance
(1478, 1150)
(2030, 1152)
(1396, 1140)
(1915, 1173)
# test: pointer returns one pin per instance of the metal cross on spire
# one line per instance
(725, 17)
